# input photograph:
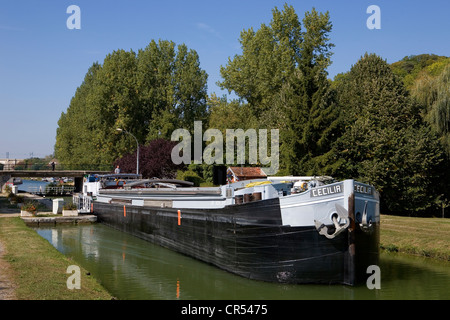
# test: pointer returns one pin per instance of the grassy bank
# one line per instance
(38, 270)
(428, 237)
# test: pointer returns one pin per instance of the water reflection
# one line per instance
(131, 268)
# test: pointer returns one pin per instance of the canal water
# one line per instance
(32, 185)
(131, 268)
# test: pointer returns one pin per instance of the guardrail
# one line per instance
(52, 191)
(57, 167)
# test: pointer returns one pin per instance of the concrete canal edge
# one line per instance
(57, 220)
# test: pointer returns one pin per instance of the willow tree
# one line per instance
(281, 74)
(433, 93)
(439, 115)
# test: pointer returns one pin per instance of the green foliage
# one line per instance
(233, 114)
(281, 74)
(30, 206)
(35, 164)
(411, 68)
(199, 174)
(385, 141)
(173, 87)
(69, 206)
(430, 87)
(230, 114)
(204, 171)
(14, 198)
(439, 114)
(8, 190)
(433, 94)
(150, 94)
(190, 176)
(269, 57)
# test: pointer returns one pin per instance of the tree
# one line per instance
(281, 73)
(439, 115)
(385, 141)
(269, 57)
(411, 68)
(154, 160)
(433, 93)
(75, 143)
(224, 114)
(149, 94)
(172, 86)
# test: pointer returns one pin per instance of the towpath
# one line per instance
(7, 288)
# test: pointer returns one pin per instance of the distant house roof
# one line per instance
(244, 173)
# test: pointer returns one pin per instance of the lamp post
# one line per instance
(137, 155)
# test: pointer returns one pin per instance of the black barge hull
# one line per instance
(250, 240)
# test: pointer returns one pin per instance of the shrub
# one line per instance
(30, 206)
(191, 176)
(12, 197)
(8, 189)
(69, 206)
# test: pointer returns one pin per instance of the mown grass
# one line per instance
(38, 270)
(428, 237)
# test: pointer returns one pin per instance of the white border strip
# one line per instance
(310, 202)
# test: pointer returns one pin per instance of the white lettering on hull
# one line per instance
(327, 190)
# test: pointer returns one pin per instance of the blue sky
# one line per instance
(42, 62)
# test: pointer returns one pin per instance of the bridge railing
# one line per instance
(57, 167)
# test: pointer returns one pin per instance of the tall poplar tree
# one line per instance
(149, 94)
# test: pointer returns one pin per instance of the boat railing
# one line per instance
(82, 202)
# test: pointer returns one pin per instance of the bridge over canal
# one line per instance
(76, 174)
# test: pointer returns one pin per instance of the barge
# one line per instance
(280, 229)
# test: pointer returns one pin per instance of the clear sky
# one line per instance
(42, 62)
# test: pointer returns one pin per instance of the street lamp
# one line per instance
(137, 155)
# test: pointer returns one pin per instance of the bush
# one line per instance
(12, 197)
(30, 206)
(8, 190)
(69, 206)
(190, 176)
